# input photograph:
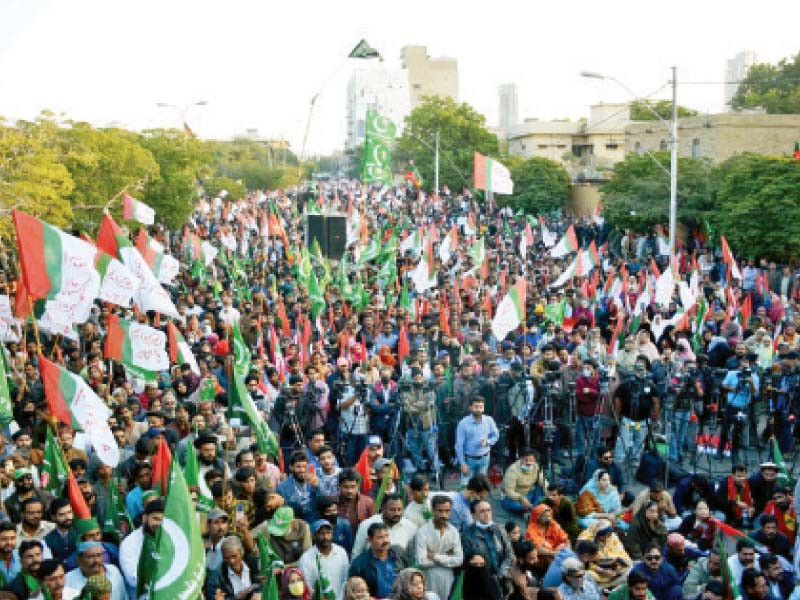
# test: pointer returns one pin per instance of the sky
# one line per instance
(257, 63)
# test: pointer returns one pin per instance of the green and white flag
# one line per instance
(177, 563)
(241, 353)
(511, 311)
(6, 411)
(477, 252)
(54, 469)
(370, 252)
(241, 405)
(316, 294)
(376, 164)
(777, 457)
(323, 590)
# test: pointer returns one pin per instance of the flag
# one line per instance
(76, 499)
(322, 586)
(268, 559)
(191, 473)
(448, 245)
(118, 522)
(362, 467)
(370, 252)
(376, 163)
(132, 209)
(162, 460)
(54, 470)
(178, 568)
(179, 351)
(74, 403)
(796, 153)
(477, 252)
(58, 269)
(164, 266)
(315, 294)
(729, 588)
(526, 240)
(364, 50)
(385, 480)
(491, 175)
(555, 311)
(728, 258)
(458, 588)
(413, 176)
(511, 311)
(149, 295)
(567, 244)
(6, 411)
(117, 282)
(269, 591)
(141, 348)
(241, 405)
(777, 457)
(241, 352)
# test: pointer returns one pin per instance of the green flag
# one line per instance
(6, 412)
(241, 353)
(458, 588)
(554, 312)
(777, 457)
(269, 591)
(179, 557)
(388, 273)
(268, 559)
(315, 294)
(730, 590)
(208, 391)
(364, 50)
(191, 472)
(55, 470)
(376, 163)
(322, 586)
(370, 252)
(477, 252)
(241, 405)
(116, 513)
(387, 478)
(405, 302)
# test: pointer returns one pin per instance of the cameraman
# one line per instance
(741, 386)
(520, 403)
(383, 404)
(635, 403)
(782, 388)
(285, 414)
(688, 399)
(353, 418)
(419, 405)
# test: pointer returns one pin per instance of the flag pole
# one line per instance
(35, 327)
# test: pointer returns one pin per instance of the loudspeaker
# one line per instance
(330, 232)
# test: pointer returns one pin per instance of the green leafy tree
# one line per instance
(641, 110)
(33, 177)
(637, 197)
(257, 164)
(540, 185)
(758, 205)
(462, 131)
(103, 163)
(215, 185)
(776, 88)
(181, 161)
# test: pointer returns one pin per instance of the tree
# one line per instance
(215, 185)
(758, 206)
(181, 161)
(540, 185)
(462, 131)
(637, 197)
(641, 110)
(32, 176)
(103, 163)
(776, 88)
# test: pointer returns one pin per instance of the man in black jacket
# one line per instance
(378, 564)
(487, 550)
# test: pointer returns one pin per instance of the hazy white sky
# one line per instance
(258, 62)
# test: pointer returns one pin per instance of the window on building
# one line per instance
(561, 146)
(696, 148)
(523, 147)
(662, 145)
(417, 86)
(612, 146)
(576, 150)
(638, 148)
(542, 146)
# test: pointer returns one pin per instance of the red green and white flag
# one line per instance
(132, 209)
(511, 310)
(449, 245)
(491, 175)
(117, 282)
(142, 349)
(179, 351)
(526, 240)
(74, 403)
(589, 260)
(149, 295)
(164, 266)
(59, 270)
(729, 259)
(567, 244)
(548, 237)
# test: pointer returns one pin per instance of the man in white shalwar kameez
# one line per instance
(438, 548)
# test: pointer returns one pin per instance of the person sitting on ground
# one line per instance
(576, 585)
(523, 484)
(679, 555)
(782, 507)
(657, 493)
(546, 534)
(734, 497)
(523, 573)
(635, 588)
(612, 563)
(699, 528)
(563, 510)
(646, 529)
(664, 581)
(702, 572)
(598, 500)
(775, 541)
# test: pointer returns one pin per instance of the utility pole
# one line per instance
(673, 167)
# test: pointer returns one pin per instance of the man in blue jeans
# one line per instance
(475, 435)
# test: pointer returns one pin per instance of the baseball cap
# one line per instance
(217, 513)
(374, 440)
(21, 473)
(381, 462)
(281, 521)
(319, 524)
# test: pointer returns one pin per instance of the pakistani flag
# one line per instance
(511, 311)
(376, 163)
(241, 353)
(555, 311)
(567, 244)
(316, 294)
(323, 590)
(191, 472)
(777, 457)
(6, 412)
(370, 252)
(364, 50)
(491, 175)
(241, 405)
(477, 252)
(117, 522)
(176, 565)
(142, 349)
(54, 469)
(405, 302)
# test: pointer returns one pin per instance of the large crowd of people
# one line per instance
(614, 445)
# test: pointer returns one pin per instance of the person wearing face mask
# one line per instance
(635, 403)
(294, 586)
(523, 484)
(383, 405)
(488, 555)
(419, 406)
(587, 394)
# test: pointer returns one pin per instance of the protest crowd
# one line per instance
(470, 403)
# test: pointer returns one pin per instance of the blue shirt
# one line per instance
(741, 397)
(470, 435)
(460, 515)
(386, 576)
(302, 497)
(11, 569)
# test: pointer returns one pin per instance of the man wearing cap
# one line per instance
(679, 555)
(330, 557)
(206, 445)
(289, 537)
(419, 405)
(89, 531)
(217, 529)
(90, 563)
(131, 546)
(23, 490)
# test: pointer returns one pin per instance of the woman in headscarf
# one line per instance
(409, 585)
(646, 528)
(294, 586)
(698, 527)
(613, 563)
(599, 499)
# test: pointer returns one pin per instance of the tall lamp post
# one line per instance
(182, 110)
(672, 128)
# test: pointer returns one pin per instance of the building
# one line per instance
(736, 70)
(588, 148)
(385, 90)
(508, 106)
(428, 76)
(718, 137)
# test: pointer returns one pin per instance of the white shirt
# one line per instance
(335, 567)
(240, 582)
(400, 535)
(229, 316)
(76, 580)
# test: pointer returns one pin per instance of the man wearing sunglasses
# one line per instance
(576, 585)
(665, 584)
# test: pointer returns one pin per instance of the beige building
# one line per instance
(429, 76)
(588, 148)
(720, 136)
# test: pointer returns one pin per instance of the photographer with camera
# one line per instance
(353, 417)
(635, 403)
(419, 406)
(383, 404)
(688, 389)
(781, 387)
(741, 386)
(285, 413)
